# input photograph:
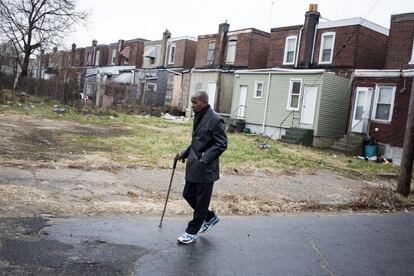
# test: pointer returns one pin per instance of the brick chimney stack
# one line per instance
(221, 41)
(308, 33)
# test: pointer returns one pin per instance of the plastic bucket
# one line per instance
(370, 150)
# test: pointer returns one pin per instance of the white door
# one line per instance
(241, 108)
(362, 109)
(310, 94)
(211, 91)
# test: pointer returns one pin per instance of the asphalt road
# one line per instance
(306, 244)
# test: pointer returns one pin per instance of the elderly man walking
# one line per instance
(208, 142)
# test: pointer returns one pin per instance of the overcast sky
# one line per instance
(127, 19)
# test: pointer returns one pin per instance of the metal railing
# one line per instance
(236, 112)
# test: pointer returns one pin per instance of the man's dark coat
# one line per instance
(208, 142)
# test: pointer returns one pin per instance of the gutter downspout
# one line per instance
(298, 48)
(266, 103)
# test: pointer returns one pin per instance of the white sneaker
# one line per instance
(207, 225)
(187, 238)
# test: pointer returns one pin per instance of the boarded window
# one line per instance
(210, 52)
(231, 52)
(113, 56)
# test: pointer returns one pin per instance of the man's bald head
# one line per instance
(201, 95)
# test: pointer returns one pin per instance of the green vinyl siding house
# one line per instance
(278, 102)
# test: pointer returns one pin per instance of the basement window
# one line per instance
(295, 88)
(383, 103)
(290, 50)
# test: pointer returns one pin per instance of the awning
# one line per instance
(125, 52)
(151, 52)
(125, 78)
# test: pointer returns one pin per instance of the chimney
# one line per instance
(165, 36)
(120, 47)
(221, 41)
(55, 50)
(94, 43)
(308, 33)
(72, 56)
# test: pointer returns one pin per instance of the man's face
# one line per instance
(196, 104)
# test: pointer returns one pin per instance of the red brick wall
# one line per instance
(180, 52)
(400, 44)
(277, 47)
(190, 54)
(343, 35)
(371, 49)
(259, 51)
(135, 53)
(390, 133)
(202, 48)
(243, 48)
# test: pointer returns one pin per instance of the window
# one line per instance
(412, 55)
(89, 59)
(327, 47)
(290, 50)
(126, 60)
(113, 56)
(295, 88)
(210, 52)
(383, 103)
(231, 51)
(151, 87)
(258, 89)
(97, 56)
(171, 56)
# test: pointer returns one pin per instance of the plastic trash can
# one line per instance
(370, 150)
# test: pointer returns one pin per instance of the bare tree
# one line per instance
(32, 25)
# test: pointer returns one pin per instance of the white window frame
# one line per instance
(412, 55)
(285, 62)
(113, 60)
(231, 59)
(153, 84)
(333, 34)
(171, 58)
(126, 60)
(289, 101)
(256, 84)
(376, 96)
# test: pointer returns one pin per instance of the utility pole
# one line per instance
(406, 167)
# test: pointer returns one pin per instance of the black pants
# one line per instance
(198, 195)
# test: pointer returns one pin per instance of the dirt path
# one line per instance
(42, 173)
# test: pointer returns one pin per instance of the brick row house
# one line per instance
(219, 55)
(380, 98)
(304, 97)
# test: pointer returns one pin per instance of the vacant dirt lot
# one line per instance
(42, 172)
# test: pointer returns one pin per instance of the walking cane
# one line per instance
(169, 189)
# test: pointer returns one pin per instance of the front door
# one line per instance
(211, 91)
(242, 101)
(362, 109)
(310, 94)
